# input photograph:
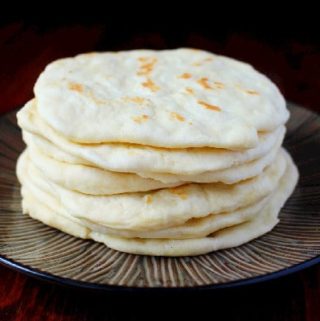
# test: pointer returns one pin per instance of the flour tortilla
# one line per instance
(144, 97)
(91, 180)
(41, 212)
(225, 238)
(47, 148)
(137, 158)
(229, 175)
(193, 228)
(157, 209)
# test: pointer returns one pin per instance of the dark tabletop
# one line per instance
(290, 59)
(291, 298)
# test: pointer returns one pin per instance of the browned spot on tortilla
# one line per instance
(199, 63)
(147, 65)
(98, 101)
(186, 75)
(150, 85)
(251, 92)
(149, 199)
(247, 91)
(209, 106)
(76, 87)
(137, 99)
(143, 59)
(140, 119)
(177, 116)
(179, 191)
(218, 84)
(189, 90)
(204, 82)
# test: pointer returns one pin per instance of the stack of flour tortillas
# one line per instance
(174, 152)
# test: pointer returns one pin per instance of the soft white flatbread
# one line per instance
(138, 158)
(225, 238)
(193, 228)
(157, 209)
(171, 98)
(229, 175)
(91, 180)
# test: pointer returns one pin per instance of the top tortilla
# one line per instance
(172, 98)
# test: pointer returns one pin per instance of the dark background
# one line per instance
(286, 49)
(283, 45)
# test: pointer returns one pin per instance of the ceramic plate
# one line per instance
(44, 252)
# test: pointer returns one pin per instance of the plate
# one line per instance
(43, 252)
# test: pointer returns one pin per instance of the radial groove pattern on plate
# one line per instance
(294, 240)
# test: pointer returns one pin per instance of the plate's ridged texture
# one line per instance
(294, 240)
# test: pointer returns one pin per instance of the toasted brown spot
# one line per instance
(145, 70)
(144, 59)
(204, 82)
(208, 106)
(199, 63)
(218, 84)
(185, 76)
(98, 101)
(247, 91)
(147, 65)
(177, 116)
(179, 191)
(140, 119)
(189, 90)
(150, 85)
(251, 92)
(76, 87)
(137, 100)
(149, 199)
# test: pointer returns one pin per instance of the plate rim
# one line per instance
(77, 284)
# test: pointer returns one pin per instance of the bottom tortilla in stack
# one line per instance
(191, 219)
